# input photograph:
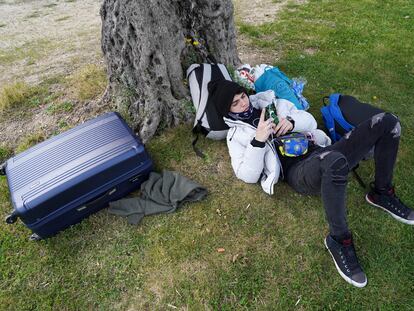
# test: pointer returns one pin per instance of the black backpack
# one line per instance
(207, 120)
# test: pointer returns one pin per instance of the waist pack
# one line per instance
(292, 145)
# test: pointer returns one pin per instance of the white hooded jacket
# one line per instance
(250, 163)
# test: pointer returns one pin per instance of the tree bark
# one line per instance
(148, 45)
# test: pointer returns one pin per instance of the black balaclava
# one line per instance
(222, 92)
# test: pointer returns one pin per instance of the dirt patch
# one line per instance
(257, 12)
(41, 38)
(44, 40)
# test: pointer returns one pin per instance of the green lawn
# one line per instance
(274, 256)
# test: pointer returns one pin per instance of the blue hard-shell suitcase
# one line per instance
(64, 179)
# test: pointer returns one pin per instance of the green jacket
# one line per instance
(161, 193)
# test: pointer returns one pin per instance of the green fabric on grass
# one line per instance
(161, 193)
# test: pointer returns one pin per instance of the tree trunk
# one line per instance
(148, 45)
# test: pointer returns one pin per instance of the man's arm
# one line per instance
(303, 121)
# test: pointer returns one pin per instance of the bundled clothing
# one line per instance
(161, 193)
(265, 77)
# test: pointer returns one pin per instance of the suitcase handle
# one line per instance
(102, 197)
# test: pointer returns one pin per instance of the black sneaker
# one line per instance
(391, 204)
(346, 261)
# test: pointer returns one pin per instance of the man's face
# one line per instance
(240, 103)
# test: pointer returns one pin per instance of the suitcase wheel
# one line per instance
(3, 169)
(35, 237)
(11, 219)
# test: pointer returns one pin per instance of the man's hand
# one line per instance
(264, 128)
(283, 127)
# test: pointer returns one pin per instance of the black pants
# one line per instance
(326, 170)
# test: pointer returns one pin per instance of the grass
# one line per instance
(5, 153)
(63, 125)
(19, 100)
(273, 257)
(34, 14)
(19, 94)
(63, 107)
(88, 82)
(29, 141)
(50, 5)
(33, 51)
(63, 18)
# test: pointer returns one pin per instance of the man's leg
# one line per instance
(326, 172)
(383, 132)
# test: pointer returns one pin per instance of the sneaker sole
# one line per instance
(400, 219)
(346, 278)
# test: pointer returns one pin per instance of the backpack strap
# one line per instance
(358, 178)
(224, 72)
(337, 113)
(197, 129)
(329, 122)
(331, 113)
(191, 69)
(201, 110)
(203, 93)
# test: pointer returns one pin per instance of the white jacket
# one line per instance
(248, 162)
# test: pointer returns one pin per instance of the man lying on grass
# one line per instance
(257, 152)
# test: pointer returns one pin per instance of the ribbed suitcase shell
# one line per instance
(66, 178)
